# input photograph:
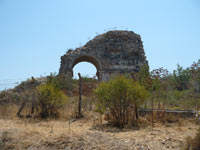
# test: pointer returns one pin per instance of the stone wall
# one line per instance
(112, 53)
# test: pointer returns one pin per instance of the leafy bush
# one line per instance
(120, 97)
(51, 98)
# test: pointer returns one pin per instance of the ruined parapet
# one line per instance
(112, 53)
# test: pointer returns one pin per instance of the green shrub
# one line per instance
(120, 97)
(51, 98)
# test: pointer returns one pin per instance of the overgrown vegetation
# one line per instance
(181, 89)
(177, 90)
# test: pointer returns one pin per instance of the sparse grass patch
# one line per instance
(171, 118)
(193, 143)
(8, 111)
(5, 136)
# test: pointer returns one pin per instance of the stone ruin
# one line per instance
(112, 53)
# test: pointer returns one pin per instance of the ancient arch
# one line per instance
(112, 53)
(86, 58)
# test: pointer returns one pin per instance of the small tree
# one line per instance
(182, 78)
(119, 96)
(159, 87)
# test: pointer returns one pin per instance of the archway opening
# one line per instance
(89, 67)
(86, 69)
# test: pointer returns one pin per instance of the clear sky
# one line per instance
(35, 33)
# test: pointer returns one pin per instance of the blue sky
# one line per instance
(35, 33)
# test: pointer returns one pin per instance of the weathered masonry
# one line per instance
(112, 53)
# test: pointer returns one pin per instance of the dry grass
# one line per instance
(68, 111)
(193, 143)
(91, 132)
(72, 134)
(8, 111)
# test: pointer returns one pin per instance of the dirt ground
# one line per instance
(29, 134)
